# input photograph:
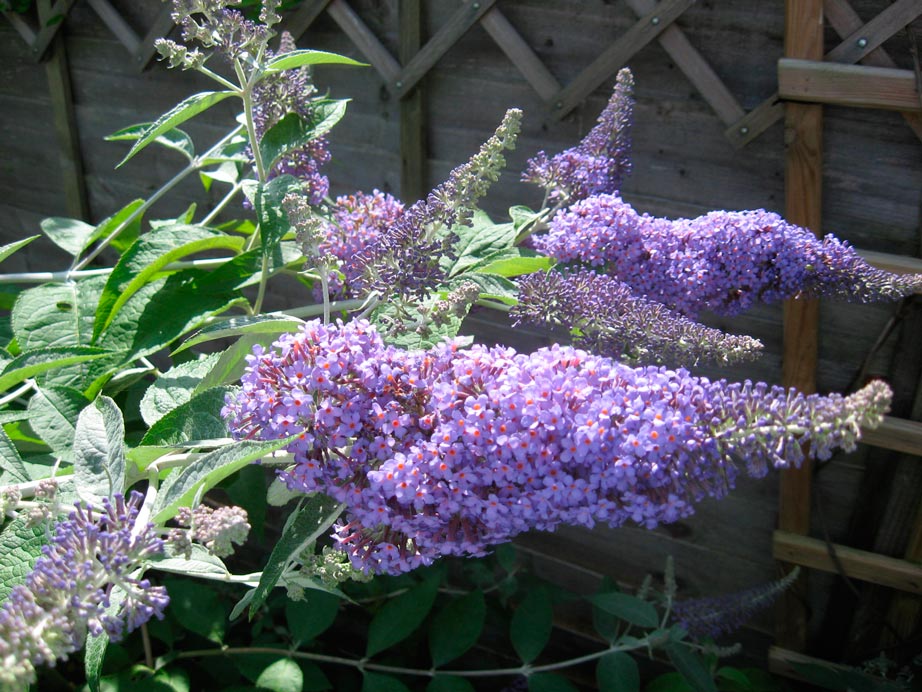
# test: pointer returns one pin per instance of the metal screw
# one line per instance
(654, 21)
(862, 42)
(398, 84)
(744, 130)
(559, 104)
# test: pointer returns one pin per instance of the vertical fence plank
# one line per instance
(65, 123)
(803, 38)
(412, 119)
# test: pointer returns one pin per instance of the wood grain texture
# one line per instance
(897, 434)
(857, 86)
(520, 53)
(364, 39)
(412, 119)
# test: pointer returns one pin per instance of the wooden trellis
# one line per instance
(808, 78)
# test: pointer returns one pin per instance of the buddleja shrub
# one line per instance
(395, 441)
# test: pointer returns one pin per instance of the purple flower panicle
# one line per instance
(356, 222)
(275, 97)
(604, 316)
(600, 162)
(448, 451)
(70, 588)
(723, 261)
(408, 258)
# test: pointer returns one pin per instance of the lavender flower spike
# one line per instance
(724, 261)
(605, 317)
(600, 162)
(406, 258)
(448, 451)
(91, 556)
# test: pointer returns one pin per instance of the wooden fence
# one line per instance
(706, 147)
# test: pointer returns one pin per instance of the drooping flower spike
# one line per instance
(723, 261)
(600, 162)
(603, 315)
(446, 452)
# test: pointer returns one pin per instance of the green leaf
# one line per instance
(71, 235)
(293, 131)
(175, 387)
(227, 172)
(494, 287)
(232, 363)
(237, 326)
(99, 451)
(197, 608)
(549, 682)
(200, 563)
(14, 471)
(627, 607)
(400, 616)
(282, 676)
(53, 413)
(174, 139)
(93, 657)
(449, 683)
(128, 232)
(10, 248)
(515, 265)
(188, 108)
(376, 682)
(35, 362)
(311, 617)
(148, 257)
(617, 672)
(181, 486)
(304, 527)
(457, 627)
(20, 547)
(273, 222)
(199, 418)
(480, 240)
(530, 629)
(668, 682)
(303, 58)
(691, 666)
(733, 679)
(521, 215)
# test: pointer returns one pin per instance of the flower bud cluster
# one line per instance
(274, 97)
(600, 162)
(604, 316)
(356, 221)
(723, 261)
(408, 259)
(214, 24)
(217, 529)
(91, 560)
(448, 451)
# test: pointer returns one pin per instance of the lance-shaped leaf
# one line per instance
(146, 258)
(514, 263)
(40, 360)
(174, 139)
(20, 547)
(457, 627)
(128, 231)
(99, 451)
(71, 235)
(400, 616)
(293, 131)
(10, 248)
(273, 222)
(481, 239)
(53, 413)
(181, 487)
(174, 387)
(303, 58)
(238, 326)
(530, 628)
(14, 471)
(308, 523)
(199, 418)
(691, 666)
(189, 108)
(627, 607)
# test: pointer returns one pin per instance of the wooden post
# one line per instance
(412, 119)
(65, 123)
(803, 38)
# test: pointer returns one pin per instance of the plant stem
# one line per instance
(363, 664)
(16, 393)
(67, 275)
(223, 203)
(194, 165)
